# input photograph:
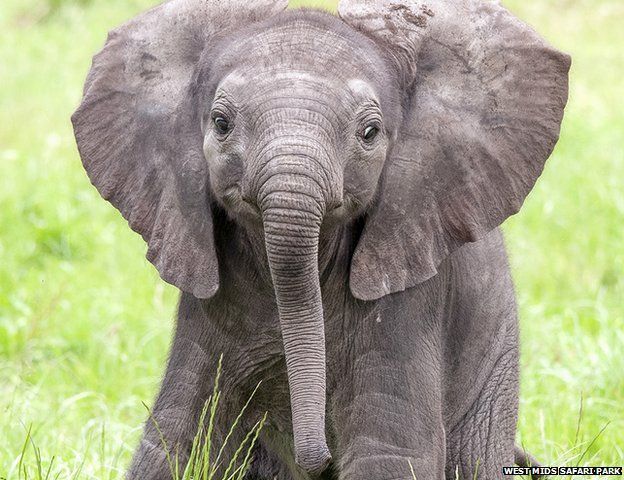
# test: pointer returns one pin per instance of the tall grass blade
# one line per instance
(234, 425)
(592, 442)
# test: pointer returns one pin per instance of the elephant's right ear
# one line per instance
(140, 140)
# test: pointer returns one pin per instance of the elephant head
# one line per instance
(431, 124)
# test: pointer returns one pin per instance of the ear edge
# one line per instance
(200, 285)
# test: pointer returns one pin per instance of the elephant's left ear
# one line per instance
(484, 104)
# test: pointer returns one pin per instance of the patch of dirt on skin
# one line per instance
(427, 11)
(418, 20)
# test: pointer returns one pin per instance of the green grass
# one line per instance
(207, 461)
(85, 322)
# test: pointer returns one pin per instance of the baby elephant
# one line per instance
(326, 192)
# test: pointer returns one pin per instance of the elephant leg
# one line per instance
(482, 442)
(386, 403)
(173, 422)
(384, 433)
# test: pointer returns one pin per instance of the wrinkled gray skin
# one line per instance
(362, 280)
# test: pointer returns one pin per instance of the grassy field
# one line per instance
(85, 322)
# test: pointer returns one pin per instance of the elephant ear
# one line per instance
(139, 138)
(482, 111)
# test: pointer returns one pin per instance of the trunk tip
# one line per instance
(313, 459)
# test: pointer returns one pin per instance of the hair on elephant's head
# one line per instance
(431, 123)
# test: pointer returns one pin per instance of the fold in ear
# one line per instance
(482, 116)
(139, 138)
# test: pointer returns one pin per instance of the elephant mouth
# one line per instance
(251, 208)
(246, 207)
(243, 206)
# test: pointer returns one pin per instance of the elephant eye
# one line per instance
(370, 132)
(221, 124)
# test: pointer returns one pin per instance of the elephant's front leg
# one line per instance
(482, 441)
(386, 411)
(173, 422)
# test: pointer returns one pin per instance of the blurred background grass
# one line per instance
(85, 322)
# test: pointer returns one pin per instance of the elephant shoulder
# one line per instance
(480, 271)
(481, 324)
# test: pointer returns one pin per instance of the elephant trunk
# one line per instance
(292, 218)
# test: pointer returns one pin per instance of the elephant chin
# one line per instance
(291, 226)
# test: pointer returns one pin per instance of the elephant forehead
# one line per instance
(292, 94)
(298, 43)
(314, 42)
(276, 79)
(275, 83)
